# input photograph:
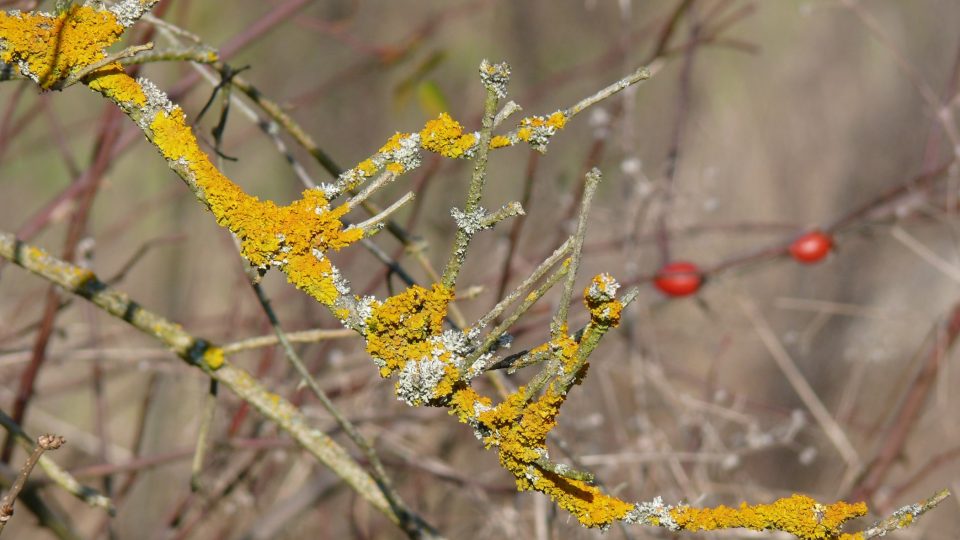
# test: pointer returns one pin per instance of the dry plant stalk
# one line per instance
(404, 333)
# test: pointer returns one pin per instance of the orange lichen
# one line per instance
(116, 85)
(396, 168)
(50, 48)
(519, 431)
(366, 167)
(589, 505)
(400, 328)
(294, 237)
(557, 120)
(213, 358)
(393, 143)
(798, 515)
(499, 141)
(538, 129)
(600, 299)
(444, 135)
(290, 236)
(464, 400)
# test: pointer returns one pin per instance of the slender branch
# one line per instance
(87, 70)
(478, 179)
(376, 221)
(303, 336)
(640, 74)
(204, 355)
(905, 515)
(559, 323)
(44, 443)
(410, 522)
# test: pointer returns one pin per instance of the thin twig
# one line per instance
(477, 180)
(88, 69)
(559, 324)
(834, 432)
(905, 515)
(44, 443)
(410, 522)
(303, 336)
(199, 353)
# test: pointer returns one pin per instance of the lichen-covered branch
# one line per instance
(404, 333)
(203, 354)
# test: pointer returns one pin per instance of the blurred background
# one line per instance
(763, 120)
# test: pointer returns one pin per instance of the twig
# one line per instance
(905, 515)
(800, 385)
(203, 436)
(559, 324)
(44, 443)
(410, 522)
(640, 74)
(204, 355)
(910, 407)
(376, 221)
(477, 180)
(303, 336)
(88, 69)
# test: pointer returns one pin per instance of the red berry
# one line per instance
(678, 279)
(812, 247)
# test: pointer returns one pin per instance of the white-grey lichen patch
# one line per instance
(365, 309)
(157, 101)
(408, 154)
(912, 510)
(495, 77)
(330, 191)
(471, 222)
(652, 513)
(339, 282)
(24, 68)
(540, 133)
(128, 12)
(456, 341)
(603, 288)
(418, 380)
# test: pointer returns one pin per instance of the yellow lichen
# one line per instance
(393, 143)
(366, 167)
(519, 431)
(444, 135)
(50, 48)
(798, 515)
(115, 84)
(463, 402)
(399, 329)
(557, 120)
(301, 229)
(538, 129)
(599, 298)
(213, 358)
(499, 141)
(589, 505)
(905, 520)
